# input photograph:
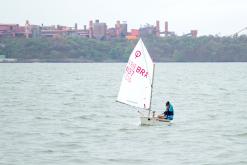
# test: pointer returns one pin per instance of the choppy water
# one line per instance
(60, 114)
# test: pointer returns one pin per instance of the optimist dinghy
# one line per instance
(137, 85)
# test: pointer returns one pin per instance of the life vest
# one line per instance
(170, 112)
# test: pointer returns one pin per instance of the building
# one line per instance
(90, 29)
(14, 30)
(36, 31)
(28, 29)
(83, 32)
(157, 28)
(8, 30)
(147, 30)
(194, 33)
(2, 58)
(133, 35)
(111, 33)
(59, 31)
(121, 29)
(167, 32)
(99, 30)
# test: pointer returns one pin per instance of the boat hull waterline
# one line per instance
(154, 121)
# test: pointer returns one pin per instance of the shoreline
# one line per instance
(107, 61)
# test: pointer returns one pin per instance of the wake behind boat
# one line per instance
(137, 85)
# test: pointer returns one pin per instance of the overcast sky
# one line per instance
(222, 17)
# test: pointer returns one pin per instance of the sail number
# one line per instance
(142, 71)
(132, 68)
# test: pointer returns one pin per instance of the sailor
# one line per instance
(169, 112)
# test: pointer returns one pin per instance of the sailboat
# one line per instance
(137, 85)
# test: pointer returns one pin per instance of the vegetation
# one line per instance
(73, 49)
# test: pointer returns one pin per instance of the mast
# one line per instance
(151, 91)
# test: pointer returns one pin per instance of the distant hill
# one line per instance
(170, 49)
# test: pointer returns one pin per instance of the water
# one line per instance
(60, 114)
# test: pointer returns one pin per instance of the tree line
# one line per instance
(167, 49)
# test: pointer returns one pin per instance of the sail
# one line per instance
(136, 85)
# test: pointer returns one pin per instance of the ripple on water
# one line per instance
(58, 114)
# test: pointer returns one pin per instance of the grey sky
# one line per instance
(222, 17)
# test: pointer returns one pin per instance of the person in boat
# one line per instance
(169, 112)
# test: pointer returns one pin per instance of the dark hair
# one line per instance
(167, 103)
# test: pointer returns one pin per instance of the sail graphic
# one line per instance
(136, 85)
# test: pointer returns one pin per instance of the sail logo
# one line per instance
(138, 53)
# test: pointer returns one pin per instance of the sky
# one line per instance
(216, 17)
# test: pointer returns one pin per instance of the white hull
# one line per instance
(154, 121)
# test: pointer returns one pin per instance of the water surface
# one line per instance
(62, 114)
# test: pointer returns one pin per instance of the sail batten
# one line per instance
(136, 85)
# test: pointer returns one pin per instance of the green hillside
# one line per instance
(73, 49)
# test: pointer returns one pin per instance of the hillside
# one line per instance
(75, 49)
